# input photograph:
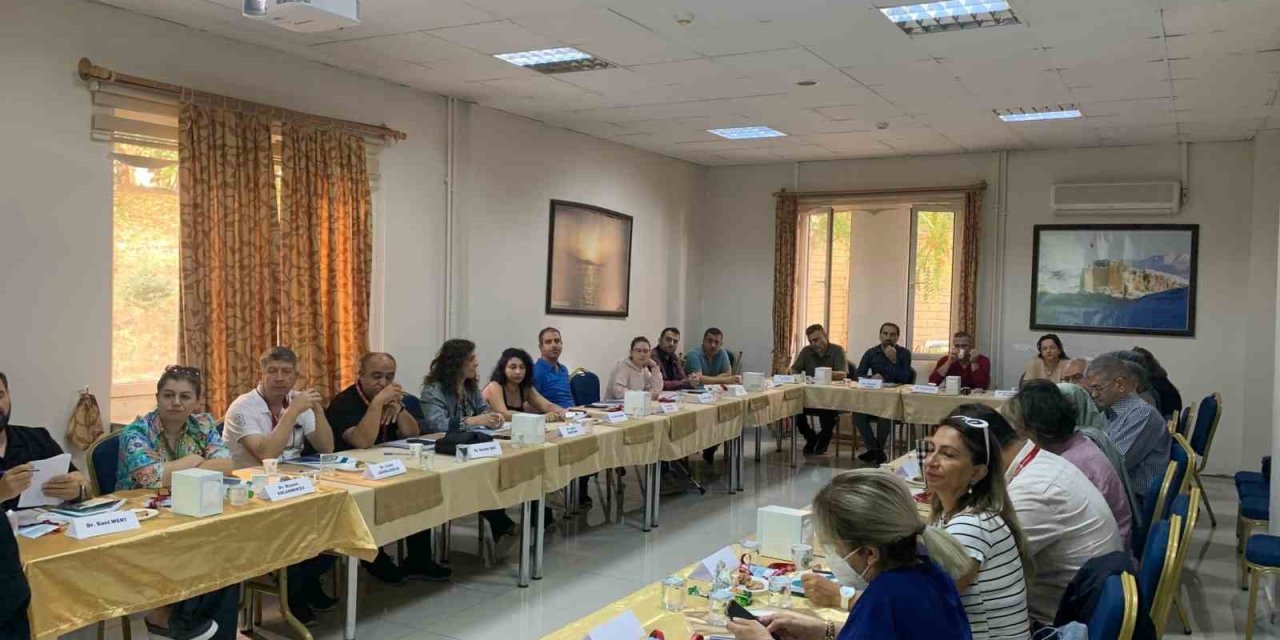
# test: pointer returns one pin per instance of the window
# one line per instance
(825, 273)
(933, 241)
(144, 275)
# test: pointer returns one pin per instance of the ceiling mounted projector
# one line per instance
(305, 16)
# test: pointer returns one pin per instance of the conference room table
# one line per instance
(171, 557)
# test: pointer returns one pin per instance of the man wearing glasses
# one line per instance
(1136, 427)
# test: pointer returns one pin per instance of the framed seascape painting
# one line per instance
(588, 261)
(1115, 278)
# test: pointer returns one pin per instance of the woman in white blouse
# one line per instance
(1050, 361)
(637, 372)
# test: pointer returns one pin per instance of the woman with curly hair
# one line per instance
(510, 389)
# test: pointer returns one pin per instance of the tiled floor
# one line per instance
(590, 563)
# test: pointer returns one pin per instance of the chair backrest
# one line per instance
(1170, 577)
(1184, 421)
(1156, 558)
(103, 459)
(1153, 504)
(1109, 613)
(584, 386)
(1187, 509)
(1207, 415)
(735, 362)
(1131, 607)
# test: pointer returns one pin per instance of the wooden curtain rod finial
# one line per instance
(90, 71)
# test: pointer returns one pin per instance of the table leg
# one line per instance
(794, 453)
(539, 537)
(742, 446)
(647, 498)
(353, 573)
(526, 522)
(656, 488)
(758, 436)
(729, 456)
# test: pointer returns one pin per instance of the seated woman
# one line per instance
(173, 438)
(966, 473)
(870, 519)
(451, 401)
(1050, 361)
(637, 372)
(510, 389)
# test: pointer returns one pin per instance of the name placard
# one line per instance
(870, 383)
(296, 487)
(929, 389)
(705, 398)
(669, 407)
(737, 391)
(573, 430)
(386, 469)
(484, 450)
(769, 383)
(1004, 393)
(784, 379)
(614, 417)
(102, 524)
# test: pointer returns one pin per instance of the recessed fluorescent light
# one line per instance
(1060, 112)
(746, 133)
(950, 15)
(561, 60)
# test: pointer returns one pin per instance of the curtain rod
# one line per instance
(882, 192)
(89, 71)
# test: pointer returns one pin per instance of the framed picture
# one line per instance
(1115, 278)
(588, 261)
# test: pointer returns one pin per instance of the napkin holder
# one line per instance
(822, 375)
(636, 404)
(780, 527)
(528, 428)
(197, 492)
(951, 386)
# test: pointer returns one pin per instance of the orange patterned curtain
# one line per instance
(229, 234)
(784, 279)
(327, 239)
(967, 300)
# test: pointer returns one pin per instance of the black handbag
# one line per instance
(448, 445)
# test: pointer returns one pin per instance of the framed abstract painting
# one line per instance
(588, 261)
(1115, 278)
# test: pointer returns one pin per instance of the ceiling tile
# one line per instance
(869, 111)
(708, 35)
(407, 47)
(1218, 16)
(471, 66)
(587, 24)
(638, 49)
(501, 36)
(1220, 43)
(510, 8)
(382, 17)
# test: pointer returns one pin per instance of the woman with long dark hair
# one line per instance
(1050, 361)
(510, 389)
(1167, 396)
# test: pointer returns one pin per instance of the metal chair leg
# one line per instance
(283, 599)
(1253, 606)
(1213, 520)
(1182, 615)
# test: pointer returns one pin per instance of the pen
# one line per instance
(394, 453)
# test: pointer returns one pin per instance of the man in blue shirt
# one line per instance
(889, 362)
(1137, 428)
(551, 379)
(712, 364)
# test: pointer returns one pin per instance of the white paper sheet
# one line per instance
(706, 569)
(624, 626)
(45, 470)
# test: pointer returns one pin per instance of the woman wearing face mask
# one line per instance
(875, 533)
(965, 472)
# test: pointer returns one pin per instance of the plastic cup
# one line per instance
(780, 591)
(673, 590)
(271, 465)
(312, 475)
(259, 483)
(719, 606)
(328, 463)
(239, 495)
(415, 455)
(428, 459)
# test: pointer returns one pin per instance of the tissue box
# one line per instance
(197, 492)
(636, 404)
(780, 527)
(821, 375)
(528, 428)
(753, 381)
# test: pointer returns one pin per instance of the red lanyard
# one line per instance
(275, 419)
(1035, 449)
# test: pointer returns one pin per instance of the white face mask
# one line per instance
(844, 573)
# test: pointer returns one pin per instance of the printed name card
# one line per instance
(614, 417)
(624, 626)
(387, 469)
(573, 430)
(787, 379)
(930, 389)
(1005, 393)
(870, 383)
(485, 450)
(706, 569)
(297, 487)
(737, 391)
(669, 407)
(705, 398)
(102, 524)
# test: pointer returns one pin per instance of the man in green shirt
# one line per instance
(819, 353)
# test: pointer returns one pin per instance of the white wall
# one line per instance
(1234, 195)
(512, 169)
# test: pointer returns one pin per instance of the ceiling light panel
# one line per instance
(747, 133)
(560, 60)
(950, 15)
(1059, 112)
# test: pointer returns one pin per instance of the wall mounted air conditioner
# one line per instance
(305, 16)
(1150, 198)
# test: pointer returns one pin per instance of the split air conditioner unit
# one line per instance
(305, 16)
(1126, 198)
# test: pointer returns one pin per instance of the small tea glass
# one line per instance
(719, 607)
(673, 591)
(780, 591)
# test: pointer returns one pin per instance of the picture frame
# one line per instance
(588, 261)
(1115, 278)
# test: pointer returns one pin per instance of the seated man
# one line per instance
(667, 355)
(711, 364)
(889, 362)
(819, 353)
(551, 379)
(964, 360)
(1074, 373)
(1135, 426)
(369, 413)
(273, 420)
(1064, 518)
(19, 447)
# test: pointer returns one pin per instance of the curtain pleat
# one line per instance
(327, 253)
(229, 247)
(784, 279)
(967, 300)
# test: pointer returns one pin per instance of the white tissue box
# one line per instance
(636, 404)
(753, 381)
(528, 428)
(822, 375)
(197, 492)
(780, 527)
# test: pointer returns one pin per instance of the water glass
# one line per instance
(271, 465)
(415, 455)
(312, 475)
(428, 462)
(719, 606)
(673, 590)
(259, 483)
(328, 463)
(780, 591)
(239, 495)
(801, 556)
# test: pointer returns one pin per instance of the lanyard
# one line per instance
(275, 418)
(1035, 450)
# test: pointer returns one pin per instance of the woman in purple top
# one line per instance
(1049, 420)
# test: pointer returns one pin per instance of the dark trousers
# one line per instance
(827, 419)
(222, 606)
(875, 441)
(499, 522)
(14, 626)
(304, 577)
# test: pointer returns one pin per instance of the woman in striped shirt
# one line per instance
(965, 473)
